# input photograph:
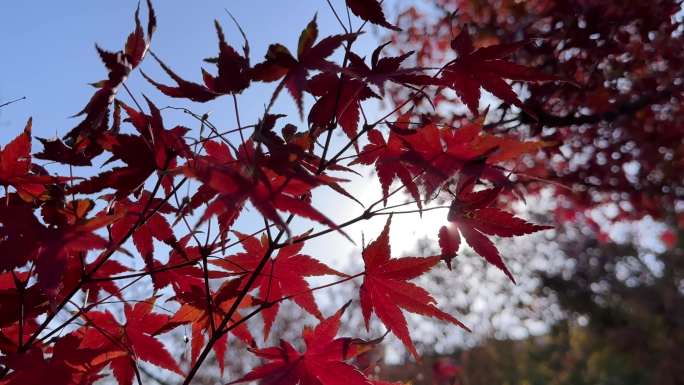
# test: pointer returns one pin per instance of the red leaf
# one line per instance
(387, 158)
(185, 89)
(283, 276)
(385, 69)
(133, 340)
(485, 67)
(340, 100)
(156, 226)
(386, 290)
(493, 221)
(470, 214)
(15, 168)
(280, 63)
(483, 246)
(230, 183)
(120, 64)
(449, 242)
(323, 362)
(370, 10)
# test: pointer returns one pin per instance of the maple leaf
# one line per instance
(99, 281)
(370, 10)
(185, 275)
(156, 226)
(292, 156)
(234, 74)
(385, 69)
(471, 215)
(229, 183)
(61, 214)
(194, 310)
(387, 158)
(87, 148)
(338, 99)
(386, 291)
(18, 300)
(20, 232)
(166, 144)
(485, 67)
(323, 362)
(435, 154)
(15, 168)
(24, 239)
(283, 276)
(133, 340)
(58, 245)
(132, 150)
(184, 89)
(120, 64)
(156, 148)
(280, 63)
(67, 364)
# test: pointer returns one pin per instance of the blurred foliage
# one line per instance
(623, 323)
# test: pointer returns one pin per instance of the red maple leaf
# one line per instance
(60, 213)
(16, 167)
(24, 239)
(291, 156)
(485, 67)
(280, 63)
(156, 226)
(57, 246)
(184, 275)
(194, 310)
(120, 64)
(283, 276)
(229, 183)
(387, 158)
(128, 342)
(430, 155)
(386, 290)
(323, 362)
(234, 74)
(471, 215)
(156, 148)
(100, 281)
(18, 300)
(20, 232)
(66, 364)
(339, 99)
(370, 10)
(385, 69)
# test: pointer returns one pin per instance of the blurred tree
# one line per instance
(619, 128)
(617, 267)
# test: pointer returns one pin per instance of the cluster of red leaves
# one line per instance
(618, 146)
(57, 244)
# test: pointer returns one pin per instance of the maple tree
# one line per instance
(613, 152)
(608, 140)
(62, 262)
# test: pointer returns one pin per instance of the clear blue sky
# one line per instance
(49, 57)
